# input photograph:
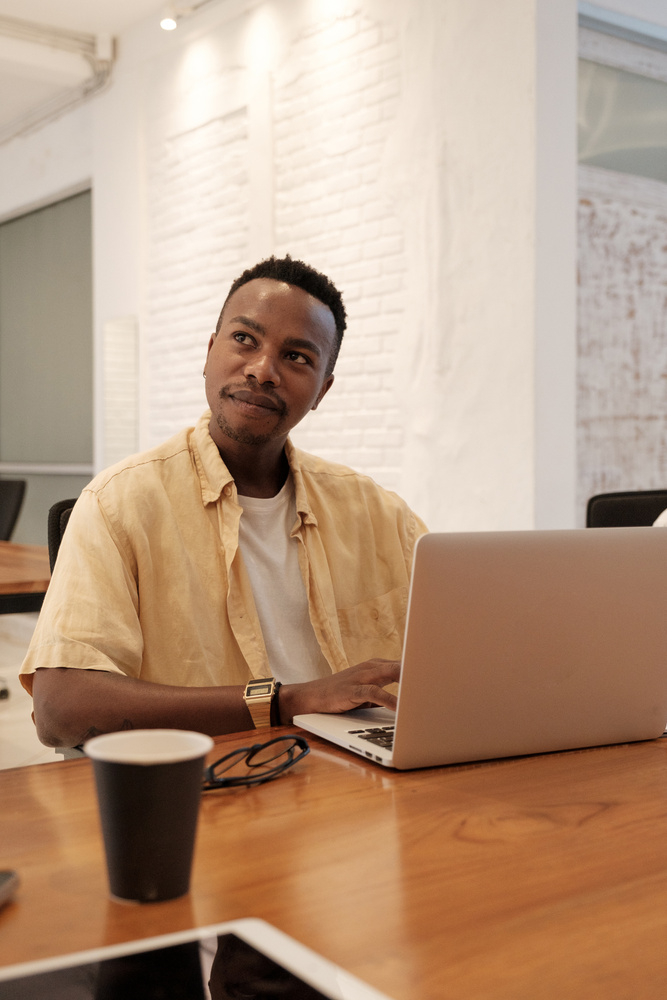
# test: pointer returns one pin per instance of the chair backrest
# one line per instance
(58, 518)
(625, 509)
(12, 492)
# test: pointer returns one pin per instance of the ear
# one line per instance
(328, 382)
(211, 342)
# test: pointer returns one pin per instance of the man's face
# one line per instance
(267, 365)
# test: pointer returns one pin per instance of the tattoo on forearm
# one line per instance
(88, 735)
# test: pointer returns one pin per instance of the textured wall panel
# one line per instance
(622, 321)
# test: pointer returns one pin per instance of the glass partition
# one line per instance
(622, 121)
(46, 380)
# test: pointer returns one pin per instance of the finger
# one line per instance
(379, 671)
(371, 693)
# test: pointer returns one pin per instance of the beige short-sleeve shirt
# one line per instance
(150, 582)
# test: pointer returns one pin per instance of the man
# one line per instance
(226, 555)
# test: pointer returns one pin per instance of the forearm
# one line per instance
(71, 706)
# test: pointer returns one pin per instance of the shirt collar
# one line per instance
(212, 471)
(214, 474)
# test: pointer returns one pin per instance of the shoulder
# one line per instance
(331, 482)
(129, 498)
(140, 469)
(333, 475)
(316, 466)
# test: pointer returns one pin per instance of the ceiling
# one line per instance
(91, 16)
(112, 16)
(39, 78)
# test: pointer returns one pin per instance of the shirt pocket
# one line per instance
(381, 618)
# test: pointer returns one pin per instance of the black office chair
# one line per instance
(57, 522)
(12, 492)
(625, 509)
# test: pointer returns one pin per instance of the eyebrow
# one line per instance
(253, 324)
(307, 345)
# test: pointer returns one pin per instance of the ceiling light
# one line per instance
(168, 19)
(173, 11)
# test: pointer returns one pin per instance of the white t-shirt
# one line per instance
(271, 558)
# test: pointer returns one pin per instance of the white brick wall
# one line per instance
(198, 232)
(335, 97)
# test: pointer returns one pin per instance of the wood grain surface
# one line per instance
(531, 877)
(24, 569)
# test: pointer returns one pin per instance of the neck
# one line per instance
(257, 476)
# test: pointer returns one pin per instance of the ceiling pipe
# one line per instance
(97, 50)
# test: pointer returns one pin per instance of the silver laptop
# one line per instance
(523, 642)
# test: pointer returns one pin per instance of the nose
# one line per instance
(263, 368)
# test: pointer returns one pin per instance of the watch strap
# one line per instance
(275, 707)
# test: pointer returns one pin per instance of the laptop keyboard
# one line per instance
(381, 736)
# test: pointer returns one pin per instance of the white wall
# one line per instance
(53, 163)
(420, 153)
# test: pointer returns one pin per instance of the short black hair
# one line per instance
(301, 275)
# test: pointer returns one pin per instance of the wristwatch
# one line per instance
(258, 696)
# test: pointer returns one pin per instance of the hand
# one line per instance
(360, 686)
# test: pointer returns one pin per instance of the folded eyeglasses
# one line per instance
(256, 764)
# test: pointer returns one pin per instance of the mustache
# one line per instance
(260, 394)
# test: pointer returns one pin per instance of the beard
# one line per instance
(241, 434)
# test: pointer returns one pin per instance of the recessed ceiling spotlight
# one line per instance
(174, 10)
(168, 18)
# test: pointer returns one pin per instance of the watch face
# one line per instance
(258, 690)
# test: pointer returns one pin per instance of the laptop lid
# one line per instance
(532, 641)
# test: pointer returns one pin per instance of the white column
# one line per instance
(555, 265)
(118, 246)
(486, 366)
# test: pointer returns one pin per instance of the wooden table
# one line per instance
(24, 577)
(541, 877)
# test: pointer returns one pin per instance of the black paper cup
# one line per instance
(148, 789)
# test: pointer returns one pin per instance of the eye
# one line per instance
(299, 358)
(243, 338)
